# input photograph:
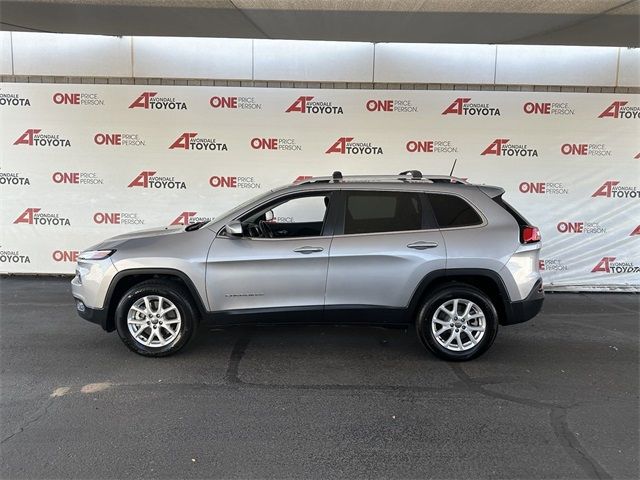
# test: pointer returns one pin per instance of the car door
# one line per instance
(283, 273)
(385, 243)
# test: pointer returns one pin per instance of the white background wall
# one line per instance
(25, 53)
(570, 168)
(73, 59)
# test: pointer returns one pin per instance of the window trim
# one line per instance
(517, 216)
(483, 219)
(428, 218)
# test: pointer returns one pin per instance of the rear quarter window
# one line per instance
(452, 211)
(512, 211)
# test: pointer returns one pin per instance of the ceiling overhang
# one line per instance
(546, 22)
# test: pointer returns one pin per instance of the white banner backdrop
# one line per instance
(80, 163)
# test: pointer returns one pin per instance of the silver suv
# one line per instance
(450, 257)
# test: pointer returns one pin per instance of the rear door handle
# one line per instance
(422, 245)
(307, 250)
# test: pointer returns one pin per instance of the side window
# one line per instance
(371, 212)
(300, 210)
(302, 216)
(452, 211)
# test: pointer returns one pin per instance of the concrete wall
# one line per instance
(31, 55)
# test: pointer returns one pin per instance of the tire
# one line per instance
(476, 331)
(173, 330)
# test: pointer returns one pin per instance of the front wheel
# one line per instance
(457, 323)
(155, 318)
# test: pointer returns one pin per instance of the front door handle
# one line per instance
(422, 245)
(307, 250)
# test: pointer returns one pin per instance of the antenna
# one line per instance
(454, 166)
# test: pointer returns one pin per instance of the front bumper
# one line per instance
(89, 289)
(92, 281)
(524, 310)
(93, 315)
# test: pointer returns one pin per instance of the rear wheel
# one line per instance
(156, 318)
(457, 322)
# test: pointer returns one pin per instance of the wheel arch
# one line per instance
(485, 280)
(126, 279)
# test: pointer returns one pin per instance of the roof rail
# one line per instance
(416, 174)
(406, 176)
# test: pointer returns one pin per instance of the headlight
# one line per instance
(95, 254)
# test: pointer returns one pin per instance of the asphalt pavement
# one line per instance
(556, 397)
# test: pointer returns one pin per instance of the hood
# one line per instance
(113, 242)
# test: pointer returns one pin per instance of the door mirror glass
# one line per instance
(269, 216)
(234, 229)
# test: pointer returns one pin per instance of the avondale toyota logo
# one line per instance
(346, 146)
(306, 104)
(609, 265)
(33, 216)
(462, 106)
(13, 178)
(150, 101)
(502, 147)
(613, 189)
(33, 138)
(148, 179)
(191, 141)
(13, 256)
(619, 109)
(635, 231)
(13, 100)
(187, 218)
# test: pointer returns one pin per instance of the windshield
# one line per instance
(245, 204)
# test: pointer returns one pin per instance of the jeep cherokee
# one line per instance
(450, 257)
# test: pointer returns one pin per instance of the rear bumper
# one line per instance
(93, 315)
(524, 310)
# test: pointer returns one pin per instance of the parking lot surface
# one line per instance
(556, 397)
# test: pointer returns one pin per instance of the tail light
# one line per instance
(529, 234)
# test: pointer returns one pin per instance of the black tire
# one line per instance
(175, 293)
(440, 297)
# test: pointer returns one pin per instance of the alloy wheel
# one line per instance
(154, 321)
(458, 324)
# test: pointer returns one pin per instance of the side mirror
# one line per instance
(269, 216)
(234, 229)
